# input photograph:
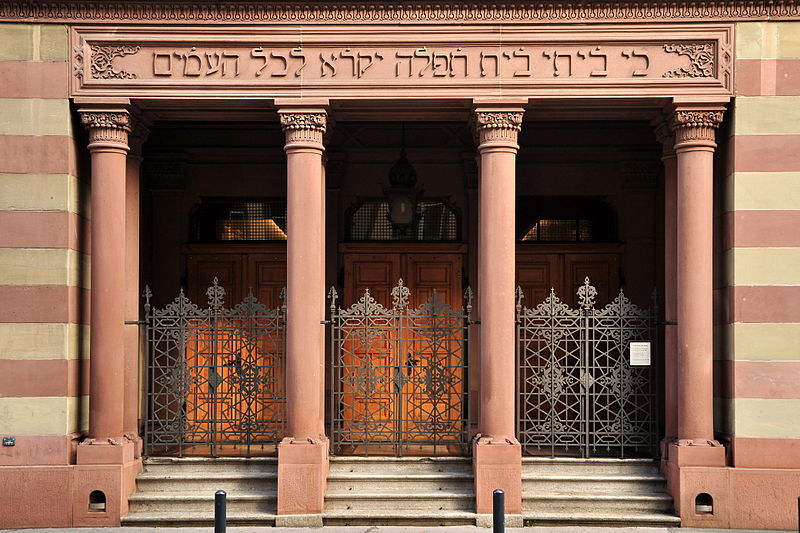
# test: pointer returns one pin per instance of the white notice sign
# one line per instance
(640, 353)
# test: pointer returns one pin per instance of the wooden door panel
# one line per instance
(602, 271)
(536, 275)
(376, 272)
(267, 277)
(428, 272)
(203, 268)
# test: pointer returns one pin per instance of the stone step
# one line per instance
(629, 519)
(404, 465)
(193, 502)
(197, 519)
(417, 501)
(206, 464)
(595, 484)
(371, 483)
(586, 503)
(398, 518)
(567, 465)
(178, 480)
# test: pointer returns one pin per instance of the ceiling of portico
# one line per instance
(409, 110)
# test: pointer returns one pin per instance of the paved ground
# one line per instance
(382, 529)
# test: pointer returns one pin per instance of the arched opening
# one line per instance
(704, 503)
(97, 501)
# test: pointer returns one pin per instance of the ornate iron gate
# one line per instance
(578, 391)
(399, 374)
(214, 375)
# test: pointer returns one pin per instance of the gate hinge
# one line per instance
(668, 323)
(135, 322)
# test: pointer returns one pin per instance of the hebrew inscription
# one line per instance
(422, 62)
(435, 61)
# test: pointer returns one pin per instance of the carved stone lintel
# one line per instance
(304, 127)
(498, 126)
(695, 127)
(107, 129)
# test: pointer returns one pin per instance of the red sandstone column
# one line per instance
(497, 453)
(694, 129)
(132, 293)
(667, 138)
(302, 455)
(108, 143)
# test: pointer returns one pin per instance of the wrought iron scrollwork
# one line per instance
(215, 374)
(399, 374)
(578, 392)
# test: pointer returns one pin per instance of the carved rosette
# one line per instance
(498, 127)
(304, 128)
(107, 129)
(695, 128)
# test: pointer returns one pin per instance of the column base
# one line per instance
(696, 453)
(302, 478)
(497, 465)
(106, 452)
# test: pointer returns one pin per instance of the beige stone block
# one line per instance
(767, 418)
(768, 40)
(763, 266)
(16, 42)
(35, 116)
(43, 192)
(763, 190)
(44, 341)
(44, 266)
(42, 416)
(764, 342)
(54, 43)
(766, 115)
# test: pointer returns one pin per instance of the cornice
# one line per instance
(242, 12)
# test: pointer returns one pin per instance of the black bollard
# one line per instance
(499, 511)
(220, 513)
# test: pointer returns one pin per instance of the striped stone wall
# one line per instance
(44, 261)
(758, 374)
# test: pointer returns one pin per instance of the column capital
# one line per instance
(497, 128)
(304, 128)
(665, 136)
(695, 128)
(138, 133)
(108, 127)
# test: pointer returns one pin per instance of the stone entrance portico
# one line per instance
(498, 80)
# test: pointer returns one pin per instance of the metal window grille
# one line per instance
(578, 392)
(436, 221)
(246, 220)
(214, 375)
(560, 230)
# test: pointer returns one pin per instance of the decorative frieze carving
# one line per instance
(303, 127)
(348, 12)
(701, 56)
(695, 126)
(168, 61)
(103, 61)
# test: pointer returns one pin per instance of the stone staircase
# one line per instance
(180, 491)
(429, 491)
(607, 492)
